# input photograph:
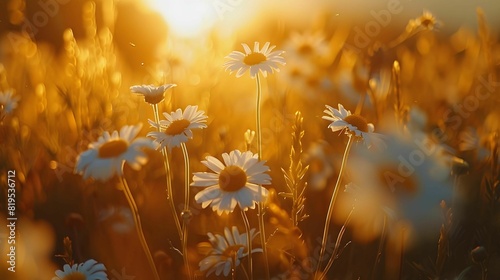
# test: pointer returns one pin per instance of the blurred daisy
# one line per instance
(152, 95)
(305, 79)
(176, 129)
(90, 270)
(354, 124)
(226, 251)
(404, 184)
(320, 165)
(8, 102)
(263, 60)
(427, 21)
(236, 181)
(105, 157)
(306, 45)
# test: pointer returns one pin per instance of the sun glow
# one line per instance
(186, 18)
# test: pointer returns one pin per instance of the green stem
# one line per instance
(138, 227)
(249, 242)
(168, 177)
(186, 213)
(332, 203)
(260, 207)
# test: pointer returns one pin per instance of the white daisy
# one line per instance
(427, 21)
(234, 182)
(152, 94)
(404, 184)
(320, 162)
(105, 157)
(90, 270)
(355, 124)
(176, 129)
(307, 45)
(8, 102)
(225, 250)
(263, 60)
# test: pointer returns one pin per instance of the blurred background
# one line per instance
(70, 64)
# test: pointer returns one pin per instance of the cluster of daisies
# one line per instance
(236, 180)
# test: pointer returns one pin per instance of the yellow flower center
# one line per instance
(154, 98)
(254, 58)
(231, 251)
(427, 21)
(357, 121)
(75, 276)
(113, 148)
(232, 178)
(177, 127)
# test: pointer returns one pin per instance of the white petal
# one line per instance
(204, 179)
(208, 194)
(247, 48)
(214, 164)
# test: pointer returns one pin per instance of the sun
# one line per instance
(186, 18)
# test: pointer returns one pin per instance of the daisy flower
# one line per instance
(404, 183)
(8, 102)
(236, 181)
(89, 270)
(320, 165)
(306, 45)
(263, 60)
(225, 250)
(152, 95)
(105, 157)
(176, 129)
(427, 21)
(354, 124)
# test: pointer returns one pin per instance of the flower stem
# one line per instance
(260, 207)
(186, 212)
(138, 227)
(259, 130)
(335, 253)
(249, 242)
(484, 271)
(402, 256)
(332, 203)
(245, 272)
(168, 177)
(380, 246)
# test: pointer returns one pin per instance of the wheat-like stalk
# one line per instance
(294, 176)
